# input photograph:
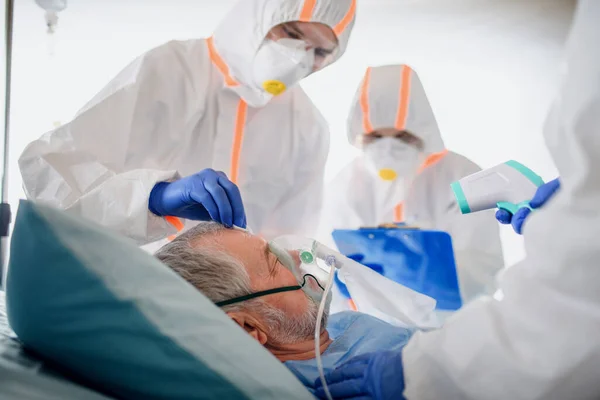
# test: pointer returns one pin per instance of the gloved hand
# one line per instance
(207, 195)
(542, 195)
(377, 376)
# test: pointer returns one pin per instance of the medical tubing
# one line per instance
(5, 206)
(323, 252)
(331, 262)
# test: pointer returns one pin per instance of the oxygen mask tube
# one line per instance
(331, 262)
(300, 256)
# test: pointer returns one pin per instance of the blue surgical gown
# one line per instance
(353, 334)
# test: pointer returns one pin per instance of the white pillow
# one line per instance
(101, 308)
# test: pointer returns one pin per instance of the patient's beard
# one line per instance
(290, 330)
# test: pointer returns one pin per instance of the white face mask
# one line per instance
(389, 159)
(278, 65)
(298, 256)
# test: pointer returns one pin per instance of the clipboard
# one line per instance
(418, 259)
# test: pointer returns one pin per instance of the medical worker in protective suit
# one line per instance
(141, 157)
(540, 341)
(404, 175)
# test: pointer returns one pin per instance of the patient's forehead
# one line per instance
(251, 250)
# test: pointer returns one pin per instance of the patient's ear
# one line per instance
(250, 324)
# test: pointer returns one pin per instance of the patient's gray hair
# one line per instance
(220, 276)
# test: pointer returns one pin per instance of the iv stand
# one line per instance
(5, 214)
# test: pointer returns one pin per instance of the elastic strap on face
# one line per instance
(257, 294)
(314, 277)
(266, 293)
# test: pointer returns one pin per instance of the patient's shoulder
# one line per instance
(342, 321)
(358, 333)
(350, 317)
(346, 317)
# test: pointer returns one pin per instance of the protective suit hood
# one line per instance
(393, 96)
(241, 33)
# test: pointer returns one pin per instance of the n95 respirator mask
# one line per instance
(389, 158)
(278, 65)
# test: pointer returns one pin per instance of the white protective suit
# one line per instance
(393, 96)
(541, 341)
(183, 107)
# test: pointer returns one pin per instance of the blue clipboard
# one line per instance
(418, 259)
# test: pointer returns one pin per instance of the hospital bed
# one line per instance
(111, 320)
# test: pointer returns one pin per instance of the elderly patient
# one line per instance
(227, 264)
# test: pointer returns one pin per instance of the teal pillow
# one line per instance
(105, 310)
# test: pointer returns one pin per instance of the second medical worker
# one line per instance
(404, 175)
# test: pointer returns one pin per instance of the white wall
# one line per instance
(489, 67)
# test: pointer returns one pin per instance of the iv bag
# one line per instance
(52, 5)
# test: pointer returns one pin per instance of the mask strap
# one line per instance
(257, 294)
(266, 293)
(314, 277)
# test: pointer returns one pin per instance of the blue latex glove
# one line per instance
(207, 195)
(377, 376)
(542, 195)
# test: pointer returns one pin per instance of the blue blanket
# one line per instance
(353, 334)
